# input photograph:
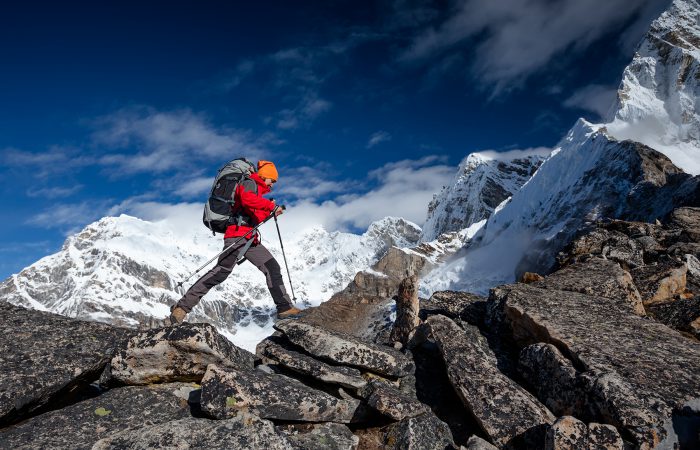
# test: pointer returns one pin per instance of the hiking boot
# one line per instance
(289, 313)
(177, 315)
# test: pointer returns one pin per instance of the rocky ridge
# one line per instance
(568, 361)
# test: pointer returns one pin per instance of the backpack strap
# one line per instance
(238, 216)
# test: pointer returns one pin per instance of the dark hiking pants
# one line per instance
(256, 254)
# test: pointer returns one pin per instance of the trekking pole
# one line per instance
(294, 297)
(179, 285)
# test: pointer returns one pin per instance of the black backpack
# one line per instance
(218, 209)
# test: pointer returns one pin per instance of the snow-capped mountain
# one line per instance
(657, 102)
(483, 181)
(637, 167)
(124, 270)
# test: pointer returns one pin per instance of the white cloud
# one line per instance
(169, 140)
(67, 216)
(304, 113)
(377, 138)
(404, 189)
(595, 98)
(54, 192)
(515, 38)
(195, 187)
(55, 160)
(310, 183)
(516, 153)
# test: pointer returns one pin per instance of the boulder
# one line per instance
(80, 425)
(243, 430)
(326, 436)
(274, 349)
(424, 432)
(179, 353)
(227, 390)
(508, 414)
(455, 305)
(476, 443)
(567, 433)
(660, 282)
(682, 314)
(608, 244)
(604, 437)
(345, 349)
(635, 372)
(393, 403)
(595, 276)
(47, 359)
(688, 220)
(553, 378)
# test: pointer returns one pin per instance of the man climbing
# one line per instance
(250, 209)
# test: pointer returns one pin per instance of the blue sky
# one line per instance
(366, 107)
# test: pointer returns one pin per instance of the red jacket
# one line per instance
(252, 204)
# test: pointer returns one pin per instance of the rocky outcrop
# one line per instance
(507, 413)
(418, 433)
(596, 276)
(635, 373)
(393, 403)
(274, 350)
(46, 359)
(80, 425)
(455, 305)
(243, 430)
(226, 391)
(662, 261)
(327, 436)
(176, 354)
(569, 433)
(346, 350)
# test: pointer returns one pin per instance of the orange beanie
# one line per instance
(267, 170)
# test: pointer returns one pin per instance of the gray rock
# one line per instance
(635, 371)
(604, 437)
(241, 431)
(455, 305)
(179, 353)
(608, 244)
(682, 314)
(567, 433)
(508, 414)
(306, 365)
(227, 390)
(688, 220)
(80, 425)
(660, 282)
(393, 403)
(45, 358)
(327, 436)
(553, 378)
(425, 432)
(476, 443)
(345, 349)
(595, 276)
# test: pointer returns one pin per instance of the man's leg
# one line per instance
(215, 276)
(266, 263)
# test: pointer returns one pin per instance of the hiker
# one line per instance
(250, 208)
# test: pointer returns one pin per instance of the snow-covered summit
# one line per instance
(482, 182)
(657, 100)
